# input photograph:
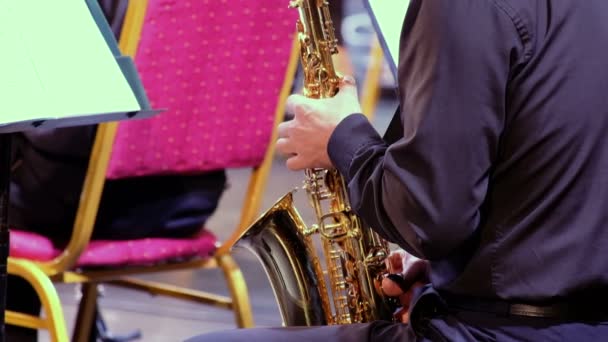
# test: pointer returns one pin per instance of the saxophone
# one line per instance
(354, 255)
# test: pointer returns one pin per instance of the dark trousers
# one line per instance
(431, 320)
(453, 328)
(376, 331)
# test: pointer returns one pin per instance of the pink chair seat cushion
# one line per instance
(100, 253)
(31, 246)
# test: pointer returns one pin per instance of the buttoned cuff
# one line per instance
(350, 136)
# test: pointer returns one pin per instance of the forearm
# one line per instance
(356, 141)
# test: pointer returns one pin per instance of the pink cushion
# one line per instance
(31, 246)
(149, 251)
(218, 67)
(146, 251)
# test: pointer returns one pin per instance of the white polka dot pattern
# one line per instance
(218, 67)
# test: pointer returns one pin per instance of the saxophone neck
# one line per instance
(318, 44)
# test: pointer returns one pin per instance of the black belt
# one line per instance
(575, 310)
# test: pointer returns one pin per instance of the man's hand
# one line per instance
(414, 273)
(304, 139)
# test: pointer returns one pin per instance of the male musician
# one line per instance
(495, 171)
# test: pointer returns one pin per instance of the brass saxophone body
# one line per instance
(347, 289)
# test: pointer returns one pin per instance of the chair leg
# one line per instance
(90, 325)
(49, 298)
(86, 313)
(238, 290)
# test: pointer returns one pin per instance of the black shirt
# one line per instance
(500, 173)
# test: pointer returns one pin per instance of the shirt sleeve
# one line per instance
(426, 191)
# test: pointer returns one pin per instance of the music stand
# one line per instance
(387, 18)
(54, 42)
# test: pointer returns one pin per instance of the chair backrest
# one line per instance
(217, 66)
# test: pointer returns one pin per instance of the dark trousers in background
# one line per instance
(21, 297)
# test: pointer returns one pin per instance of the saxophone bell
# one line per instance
(279, 241)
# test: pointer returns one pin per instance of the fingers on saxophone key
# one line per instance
(285, 147)
(283, 129)
(394, 262)
(295, 163)
(390, 287)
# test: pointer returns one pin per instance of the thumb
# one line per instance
(390, 288)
